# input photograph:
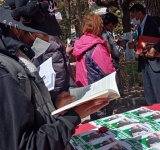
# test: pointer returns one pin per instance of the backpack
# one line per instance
(33, 87)
(17, 72)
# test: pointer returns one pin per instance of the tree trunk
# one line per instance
(125, 17)
(153, 7)
(130, 54)
(79, 19)
(69, 17)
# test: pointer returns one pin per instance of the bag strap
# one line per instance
(32, 85)
(91, 49)
(17, 72)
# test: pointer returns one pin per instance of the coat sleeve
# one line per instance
(103, 59)
(157, 47)
(17, 126)
(115, 49)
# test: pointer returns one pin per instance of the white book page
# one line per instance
(107, 83)
(47, 73)
(104, 88)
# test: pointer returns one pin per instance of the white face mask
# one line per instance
(134, 21)
(39, 47)
(58, 16)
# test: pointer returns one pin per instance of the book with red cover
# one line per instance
(146, 40)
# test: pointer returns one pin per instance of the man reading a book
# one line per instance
(25, 103)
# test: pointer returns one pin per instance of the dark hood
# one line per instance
(10, 46)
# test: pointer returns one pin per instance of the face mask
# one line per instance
(134, 21)
(58, 16)
(39, 47)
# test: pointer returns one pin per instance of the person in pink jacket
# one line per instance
(93, 59)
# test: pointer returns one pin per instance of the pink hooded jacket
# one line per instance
(93, 60)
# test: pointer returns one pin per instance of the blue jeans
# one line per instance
(151, 82)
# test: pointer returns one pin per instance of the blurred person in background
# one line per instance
(93, 59)
(110, 21)
(148, 64)
(60, 63)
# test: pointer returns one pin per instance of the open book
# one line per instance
(104, 88)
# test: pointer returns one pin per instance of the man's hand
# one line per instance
(151, 52)
(63, 99)
(69, 49)
(119, 42)
(90, 107)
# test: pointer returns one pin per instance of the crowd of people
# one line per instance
(26, 104)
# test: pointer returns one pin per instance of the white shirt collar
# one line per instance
(143, 22)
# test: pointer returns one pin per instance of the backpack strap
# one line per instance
(17, 72)
(24, 72)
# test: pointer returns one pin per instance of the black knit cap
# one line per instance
(30, 15)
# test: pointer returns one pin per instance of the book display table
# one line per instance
(138, 129)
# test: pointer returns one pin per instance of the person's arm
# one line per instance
(157, 47)
(18, 126)
(18, 123)
(69, 49)
(115, 49)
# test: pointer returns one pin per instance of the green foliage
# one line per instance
(118, 14)
(118, 29)
(85, 8)
(64, 24)
(2, 2)
(76, 14)
(131, 69)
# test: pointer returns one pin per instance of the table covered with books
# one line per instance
(138, 129)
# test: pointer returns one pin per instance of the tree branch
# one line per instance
(107, 3)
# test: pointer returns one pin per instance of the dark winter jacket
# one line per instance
(61, 66)
(22, 126)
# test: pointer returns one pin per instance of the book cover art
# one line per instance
(138, 129)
